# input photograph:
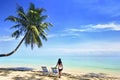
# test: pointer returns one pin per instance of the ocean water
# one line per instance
(75, 62)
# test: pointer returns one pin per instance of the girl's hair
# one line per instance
(59, 61)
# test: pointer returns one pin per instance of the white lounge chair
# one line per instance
(54, 70)
(45, 70)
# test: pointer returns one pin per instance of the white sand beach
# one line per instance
(22, 73)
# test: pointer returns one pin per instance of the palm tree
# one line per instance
(30, 24)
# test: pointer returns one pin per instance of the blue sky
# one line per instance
(80, 26)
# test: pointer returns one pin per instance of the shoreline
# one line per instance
(13, 73)
(65, 70)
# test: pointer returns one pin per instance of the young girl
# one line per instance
(60, 67)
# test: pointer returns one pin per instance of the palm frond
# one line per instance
(34, 30)
(11, 18)
(21, 13)
(40, 10)
(16, 26)
(37, 40)
(42, 18)
(27, 39)
(45, 25)
(43, 36)
(16, 34)
(32, 6)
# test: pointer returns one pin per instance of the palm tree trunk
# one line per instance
(8, 54)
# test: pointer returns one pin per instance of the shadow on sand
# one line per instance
(18, 69)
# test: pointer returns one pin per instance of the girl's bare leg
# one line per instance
(60, 73)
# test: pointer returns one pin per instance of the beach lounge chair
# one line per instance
(54, 70)
(45, 70)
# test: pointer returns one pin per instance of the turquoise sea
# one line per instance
(75, 62)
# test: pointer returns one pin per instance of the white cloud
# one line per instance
(110, 26)
(52, 35)
(95, 28)
(74, 32)
(6, 38)
(86, 48)
(69, 34)
(72, 35)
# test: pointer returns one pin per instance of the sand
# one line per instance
(23, 73)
